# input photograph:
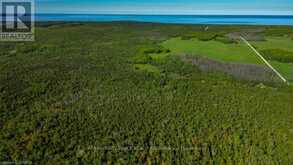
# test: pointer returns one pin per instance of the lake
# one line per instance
(178, 19)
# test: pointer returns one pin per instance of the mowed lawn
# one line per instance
(235, 53)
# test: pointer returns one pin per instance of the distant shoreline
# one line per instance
(53, 23)
(204, 15)
(171, 19)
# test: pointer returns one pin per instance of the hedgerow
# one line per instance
(278, 55)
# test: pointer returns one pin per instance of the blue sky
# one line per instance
(232, 7)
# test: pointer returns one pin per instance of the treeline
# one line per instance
(209, 36)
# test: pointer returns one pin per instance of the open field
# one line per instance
(117, 93)
(237, 52)
(284, 43)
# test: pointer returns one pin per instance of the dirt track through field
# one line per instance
(266, 62)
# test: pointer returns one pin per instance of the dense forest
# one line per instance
(92, 93)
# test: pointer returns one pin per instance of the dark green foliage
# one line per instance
(7, 49)
(206, 36)
(141, 59)
(203, 36)
(280, 31)
(225, 40)
(278, 55)
(73, 97)
(144, 57)
(26, 48)
(155, 49)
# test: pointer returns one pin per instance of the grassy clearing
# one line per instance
(233, 52)
(278, 50)
(285, 69)
(238, 53)
(284, 43)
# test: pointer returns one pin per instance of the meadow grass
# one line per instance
(279, 43)
(285, 69)
(284, 43)
(237, 53)
(231, 52)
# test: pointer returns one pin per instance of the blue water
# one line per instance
(178, 19)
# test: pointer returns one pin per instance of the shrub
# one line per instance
(203, 36)
(225, 40)
(142, 59)
(155, 49)
(206, 36)
(187, 37)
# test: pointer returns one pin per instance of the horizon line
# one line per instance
(165, 14)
